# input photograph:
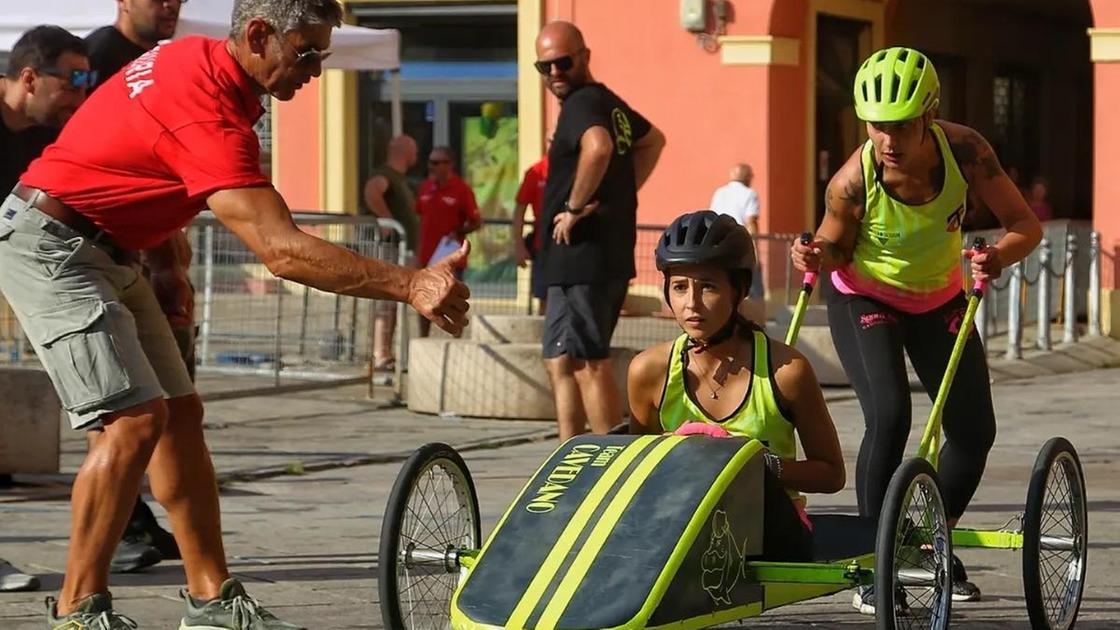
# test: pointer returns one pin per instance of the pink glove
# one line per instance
(702, 428)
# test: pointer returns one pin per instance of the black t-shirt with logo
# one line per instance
(18, 149)
(602, 243)
(109, 51)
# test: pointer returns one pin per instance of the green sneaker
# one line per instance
(232, 610)
(93, 613)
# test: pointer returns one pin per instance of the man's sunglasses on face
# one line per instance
(312, 56)
(563, 64)
(75, 79)
(438, 162)
(307, 57)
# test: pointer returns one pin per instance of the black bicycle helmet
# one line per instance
(705, 238)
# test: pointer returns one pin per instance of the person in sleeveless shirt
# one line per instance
(891, 242)
(388, 195)
(723, 370)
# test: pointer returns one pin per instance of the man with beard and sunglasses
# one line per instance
(180, 119)
(602, 152)
(46, 80)
(141, 25)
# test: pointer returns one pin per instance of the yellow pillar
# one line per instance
(338, 142)
(530, 104)
(530, 93)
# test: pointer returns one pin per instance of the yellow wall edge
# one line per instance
(530, 93)
(1104, 44)
(274, 124)
(1110, 313)
(530, 103)
(338, 144)
(760, 50)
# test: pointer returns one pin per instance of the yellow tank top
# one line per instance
(913, 248)
(759, 416)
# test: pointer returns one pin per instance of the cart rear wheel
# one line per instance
(1055, 537)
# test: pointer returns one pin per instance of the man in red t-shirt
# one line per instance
(528, 247)
(447, 208)
(168, 135)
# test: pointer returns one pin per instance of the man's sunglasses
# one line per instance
(312, 56)
(563, 64)
(77, 79)
(309, 56)
(438, 162)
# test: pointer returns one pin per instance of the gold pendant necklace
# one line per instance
(710, 378)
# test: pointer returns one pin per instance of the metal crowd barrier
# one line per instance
(1059, 280)
(277, 333)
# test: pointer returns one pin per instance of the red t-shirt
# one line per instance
(531, 193)
(443, 210)
(141, 156)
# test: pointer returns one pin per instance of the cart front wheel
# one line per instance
(430, 521)
(913, 553)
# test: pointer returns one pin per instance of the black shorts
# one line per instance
(537, 281)
(581, 318)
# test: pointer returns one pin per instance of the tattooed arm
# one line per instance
(844, 207)
(985, 176)
(836, 238)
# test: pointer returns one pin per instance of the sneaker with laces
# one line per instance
(93, 613)
(963, 590)
(864, 600)
(232, 610)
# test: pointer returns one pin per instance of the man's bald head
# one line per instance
(563, 58)
(742, 173)
(561, 35)
(403, 148)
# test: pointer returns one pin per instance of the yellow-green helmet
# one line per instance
(895, 85)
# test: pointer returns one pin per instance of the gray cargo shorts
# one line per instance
(95, 324)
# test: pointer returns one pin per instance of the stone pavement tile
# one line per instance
(1098, 355)
(1013, 370)
(1061, 362)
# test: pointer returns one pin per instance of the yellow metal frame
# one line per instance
(975, 538)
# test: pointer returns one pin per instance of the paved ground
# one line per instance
(306, 543)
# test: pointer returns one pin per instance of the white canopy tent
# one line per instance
(355, 47)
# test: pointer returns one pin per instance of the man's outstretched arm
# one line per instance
(262, 220)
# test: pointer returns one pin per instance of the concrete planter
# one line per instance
(487, 380)
(29, 440)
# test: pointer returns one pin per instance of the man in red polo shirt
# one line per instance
(168, 135)
(447, 208)
(527, 248)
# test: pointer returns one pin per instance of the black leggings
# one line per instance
(784, 536)
(870, 338)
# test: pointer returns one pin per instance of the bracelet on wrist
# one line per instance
(774, 463)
